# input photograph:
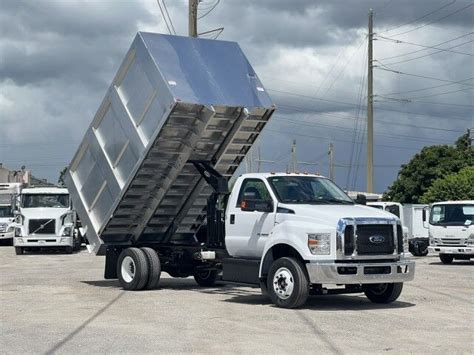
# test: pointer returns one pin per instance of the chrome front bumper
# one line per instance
(360, 273)
(43, 241)
(7, 235)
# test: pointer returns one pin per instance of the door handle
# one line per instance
(232, 219)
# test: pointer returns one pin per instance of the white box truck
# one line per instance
(8, 194)
(45, 219)
(150, 184)
(411, 216)
(451, 230)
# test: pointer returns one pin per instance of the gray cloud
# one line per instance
(57, 59)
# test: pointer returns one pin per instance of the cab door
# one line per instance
(248, 231)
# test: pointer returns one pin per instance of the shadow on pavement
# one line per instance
(454, 263)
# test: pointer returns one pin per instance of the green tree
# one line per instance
(458, 186)
(62, 174)
(433, 162)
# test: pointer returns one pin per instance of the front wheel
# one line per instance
(287, 283)
(205, 278)
(383, 293)
(446, 258)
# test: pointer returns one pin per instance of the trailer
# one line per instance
(150, 186)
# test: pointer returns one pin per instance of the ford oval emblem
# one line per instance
(377, 239)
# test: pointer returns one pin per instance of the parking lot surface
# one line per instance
(54, 303)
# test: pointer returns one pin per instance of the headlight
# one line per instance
(10, 229)
(66, 218)
(67, 232)
(319, 243)
(470, 240)
(17, 232)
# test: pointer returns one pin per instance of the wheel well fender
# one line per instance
(275, 252)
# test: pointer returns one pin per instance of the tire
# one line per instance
(446, 258)
(264, 288)
(132, 269)
(68, 250)
(287, 283)
(383, 293)
(419, 249)
(19, 250)
(206, 278)
(154, 268)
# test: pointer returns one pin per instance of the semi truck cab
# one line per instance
(45, 219)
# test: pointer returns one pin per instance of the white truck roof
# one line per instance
(453, 202)
(267, 175)
(45, 190)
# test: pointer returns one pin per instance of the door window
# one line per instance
(253, 189)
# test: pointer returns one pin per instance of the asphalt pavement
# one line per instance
(56, 303)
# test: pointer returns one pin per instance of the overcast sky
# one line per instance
(57, 59)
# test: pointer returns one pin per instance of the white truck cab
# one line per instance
(451, 230)
(8, 194)
(45, 219)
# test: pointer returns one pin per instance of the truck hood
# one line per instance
(43, 213)
(330, 214)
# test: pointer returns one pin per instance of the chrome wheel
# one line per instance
(283, 283)
(128, 269)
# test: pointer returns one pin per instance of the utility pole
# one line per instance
(370, 110)
(470, 137)
(193, 6)
(331, 161)
(294, 160)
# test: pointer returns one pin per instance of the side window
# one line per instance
(253, 189)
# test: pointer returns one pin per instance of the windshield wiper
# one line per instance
(334, 200)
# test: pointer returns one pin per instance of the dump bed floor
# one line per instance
(174, 100)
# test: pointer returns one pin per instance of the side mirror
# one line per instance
(251, 205)
(361, 199)
(425, 218)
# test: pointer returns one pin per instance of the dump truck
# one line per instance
(150, 183)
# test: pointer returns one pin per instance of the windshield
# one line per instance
(393, 209)
(452, 214)
(308, 189)
(45, 200)
(6, 211)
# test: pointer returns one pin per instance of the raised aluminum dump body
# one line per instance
(173, 100)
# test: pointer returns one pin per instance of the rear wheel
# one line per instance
(287, 283)
(154, 268)
(383, 293)
(446, 258)
(19, 250)
(205, 278)
(132, 269)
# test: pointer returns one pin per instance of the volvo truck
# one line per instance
(150, 183)
(451, 230)
(45, 219)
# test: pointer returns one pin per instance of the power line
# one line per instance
(169, 17)
(420, 76)
(425, 49)
(427, 88)
(378, 120)
(434, 21)
(423, 46)
(421, 17)
(442, 93)
(312, 98)
(441, 103)
(210, 10)
(164, 17)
